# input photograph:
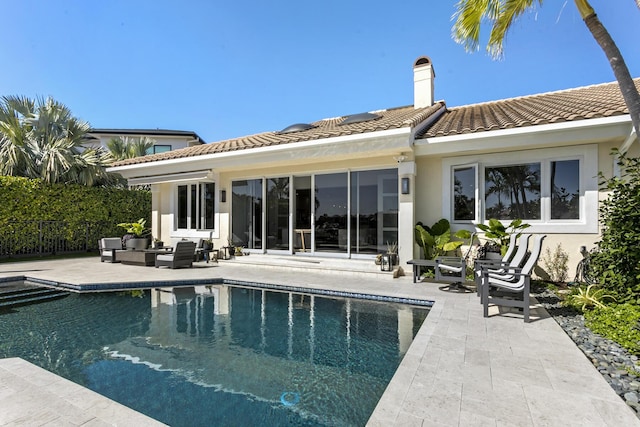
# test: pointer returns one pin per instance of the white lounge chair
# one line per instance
(514, 281)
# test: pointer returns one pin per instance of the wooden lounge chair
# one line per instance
(516, 282)
(182, 255)
(109, 247)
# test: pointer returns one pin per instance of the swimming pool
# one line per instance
(221, 355)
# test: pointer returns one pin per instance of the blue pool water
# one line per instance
(221, 355)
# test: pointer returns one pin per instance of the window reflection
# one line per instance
(513, 191)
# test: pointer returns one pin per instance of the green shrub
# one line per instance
(619, 323)
(496, 232)
(24, 203)
(587, 297)
(23, 199)
(556, 263)
(436, 240)
(616, 262)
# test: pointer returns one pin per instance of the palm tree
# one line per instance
(14, 150)
(500, 14)
(42, 139)
(124, 147)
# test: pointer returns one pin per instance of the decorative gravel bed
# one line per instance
(611, 360)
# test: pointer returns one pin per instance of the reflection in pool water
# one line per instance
(221, 355)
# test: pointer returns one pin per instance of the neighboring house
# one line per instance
(165, 140)
(348, 186)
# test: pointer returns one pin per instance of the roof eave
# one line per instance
(565, 133)
(393, 141)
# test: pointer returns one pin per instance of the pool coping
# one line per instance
(124, 286)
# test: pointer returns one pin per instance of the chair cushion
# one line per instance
(164, 257)
(111, 243)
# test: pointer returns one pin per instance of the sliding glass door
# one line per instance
(246, 224)
(374, 210)
(331, 208)
(277, 217)
(351, 213)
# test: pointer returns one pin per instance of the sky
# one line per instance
(226, 69)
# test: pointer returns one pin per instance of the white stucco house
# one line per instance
(165, 139)
(347, 186)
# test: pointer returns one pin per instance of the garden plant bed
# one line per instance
(614, 362)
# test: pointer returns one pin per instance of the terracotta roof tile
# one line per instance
(604, 100)
(328, 128)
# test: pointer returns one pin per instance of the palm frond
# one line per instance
(510, 11)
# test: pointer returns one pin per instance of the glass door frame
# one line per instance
(310, 244)
(265, 218)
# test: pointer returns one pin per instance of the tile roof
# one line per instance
(328, 128)
(603, 100)
(148, 132)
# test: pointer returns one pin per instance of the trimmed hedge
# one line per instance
(77, 207)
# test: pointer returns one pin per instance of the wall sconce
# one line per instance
(404, 185)
(223, 196)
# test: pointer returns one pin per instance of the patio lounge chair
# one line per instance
(501, 266)
(182, 256)
(516, 282)
(454, 269)
(109, 247)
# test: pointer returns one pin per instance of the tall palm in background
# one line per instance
(42, 139)
(127, 147)
(500, 15)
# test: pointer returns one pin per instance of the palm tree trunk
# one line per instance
(620, 70)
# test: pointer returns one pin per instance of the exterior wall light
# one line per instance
(404, 185)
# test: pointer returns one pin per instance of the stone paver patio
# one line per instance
(461, 369)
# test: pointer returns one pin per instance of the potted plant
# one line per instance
(137, 237)
(157, 243)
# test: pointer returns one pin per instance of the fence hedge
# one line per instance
(23, 200)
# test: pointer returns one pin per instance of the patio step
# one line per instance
(16, 295)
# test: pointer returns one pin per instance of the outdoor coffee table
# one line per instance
(146, 258)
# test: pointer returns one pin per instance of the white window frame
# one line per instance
(195, 232)
(588, 158)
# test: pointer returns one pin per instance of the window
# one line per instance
(512, 192)
(158, 149)
(464, 193)
(565, 189)
(555, 190)
(196, 206)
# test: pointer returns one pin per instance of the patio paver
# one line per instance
(461, 369)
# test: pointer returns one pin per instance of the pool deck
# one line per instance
(461, 369)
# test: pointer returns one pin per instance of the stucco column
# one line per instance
(406, 210)
(156, 224)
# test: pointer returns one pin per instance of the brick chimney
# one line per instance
(423, 76)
